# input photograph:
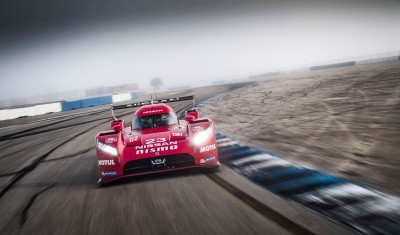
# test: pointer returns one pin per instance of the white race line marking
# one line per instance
(223, 140)
(227, 143)
(273, 162)
(389, 205)
(263, 156)
(344, 190)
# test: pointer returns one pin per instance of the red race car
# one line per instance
(156, 142)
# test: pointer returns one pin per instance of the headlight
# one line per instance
(107, 149)
(202, 136)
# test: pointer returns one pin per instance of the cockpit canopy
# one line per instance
(154, 120)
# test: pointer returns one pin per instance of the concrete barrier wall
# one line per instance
(92, 102)
(14, 113)
(47, 108)
(329, 66)
(6, 114)
(70, 105)
(121, 97)
(85, 103)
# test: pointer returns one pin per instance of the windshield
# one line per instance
(154, 120)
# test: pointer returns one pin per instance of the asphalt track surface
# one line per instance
(48, 175)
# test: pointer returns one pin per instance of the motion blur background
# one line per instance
(53, 46)
(314, 83)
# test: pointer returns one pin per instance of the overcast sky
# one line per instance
(48, 46)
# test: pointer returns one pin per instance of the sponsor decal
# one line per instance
(109, 173)
(154, 141)
(156, 145)
(153, 111)
(207, 148)
(197, 128)
(111, 140)
(207, 159)
(106, 162)
(177, 134)
(158, 161)
(133, 139)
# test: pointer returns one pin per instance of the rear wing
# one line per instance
(148, 102)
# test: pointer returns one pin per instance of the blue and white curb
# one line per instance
(365, 210)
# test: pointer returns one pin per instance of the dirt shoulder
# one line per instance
(344, 121)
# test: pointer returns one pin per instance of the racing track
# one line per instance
(48, 186)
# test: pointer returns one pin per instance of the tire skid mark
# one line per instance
(266, 96)
(70, 155)
(35, 163)
(55, 159)
(24, 214)
(28, 146)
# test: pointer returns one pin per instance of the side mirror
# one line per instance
(117, 125)
(189, 118)
(118, 128)
(194, 113)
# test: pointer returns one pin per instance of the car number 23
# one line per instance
(157, 140)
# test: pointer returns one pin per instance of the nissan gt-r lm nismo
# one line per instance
(155, 142)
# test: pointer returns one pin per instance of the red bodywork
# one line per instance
(124, 151)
